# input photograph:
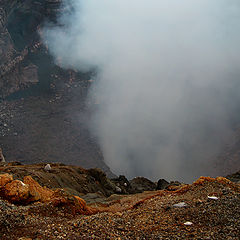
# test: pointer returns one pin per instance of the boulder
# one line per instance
(123, 183)
(140, 184)
(24, 192)
(162, 184)
(17, 192)
(47, 167)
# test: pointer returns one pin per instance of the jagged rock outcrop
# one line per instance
(162, 184)
(140, 184)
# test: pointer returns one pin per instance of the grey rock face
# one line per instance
(42, 116)
(20, 42)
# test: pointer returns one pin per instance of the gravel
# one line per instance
(139, 216)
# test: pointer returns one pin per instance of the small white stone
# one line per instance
(47, 167)
(180, 205)
(118, 189)
(188, 223)
(213, 197)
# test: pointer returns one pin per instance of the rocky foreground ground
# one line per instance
(207, 209)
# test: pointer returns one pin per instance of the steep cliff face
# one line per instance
(20, 43)
(43, 117)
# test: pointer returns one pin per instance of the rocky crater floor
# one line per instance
(43, 201)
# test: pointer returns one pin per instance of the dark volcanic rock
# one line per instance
(108, 187)
(140, 184)
(162, 184)
(123, 183)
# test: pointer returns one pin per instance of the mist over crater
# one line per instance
(166, 90)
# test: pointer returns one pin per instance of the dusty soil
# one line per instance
(148, 215)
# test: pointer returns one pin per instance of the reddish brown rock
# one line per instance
(23, 192)
(5, 178)
(29, 191)
(81, 206)
(74, 204)
(37, 192)
(16, 191)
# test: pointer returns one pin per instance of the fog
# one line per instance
(166, 90)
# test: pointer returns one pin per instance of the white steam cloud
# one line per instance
(167, 80)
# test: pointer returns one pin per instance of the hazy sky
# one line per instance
(167, 84)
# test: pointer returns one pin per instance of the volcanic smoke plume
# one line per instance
(166, 87)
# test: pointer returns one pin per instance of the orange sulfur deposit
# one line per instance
(29, 191)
